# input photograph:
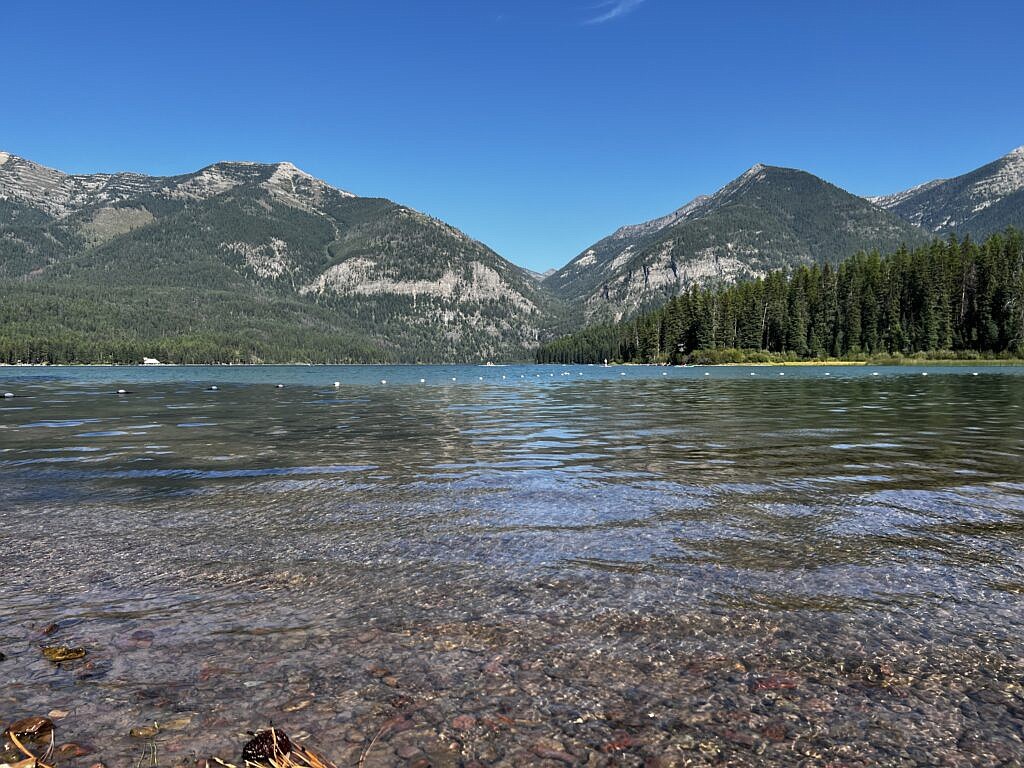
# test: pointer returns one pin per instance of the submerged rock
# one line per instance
(61, 653)
(31, 729)
(271, 744)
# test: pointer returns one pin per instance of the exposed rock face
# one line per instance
(978, 203)
(61, 194)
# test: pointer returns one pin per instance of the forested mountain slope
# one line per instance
(767, 218)
(253, 262)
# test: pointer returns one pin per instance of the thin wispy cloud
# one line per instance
(614, 9)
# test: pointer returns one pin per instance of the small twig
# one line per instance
(21, 747)
(388, 725)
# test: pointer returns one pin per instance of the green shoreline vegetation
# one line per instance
(949, 301)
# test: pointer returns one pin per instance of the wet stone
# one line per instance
(408, 751)
(73, 749)
(62, 653)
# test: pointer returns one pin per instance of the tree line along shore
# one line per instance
(950, 300)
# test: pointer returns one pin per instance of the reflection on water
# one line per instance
(619, 569)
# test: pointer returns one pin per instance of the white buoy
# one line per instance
(502, 377)
(827, 374)
(664, 374)
(213, 388)
(706, 373)
(453, 378)
(925, 373)
(480, 377)
(9, 395)
(974, 374)
(753, 374)
(280, 386)
(875, 373)
(383, 381)
(122, 391)
(423, 381)
(337, 384)
(622, 374)
(782, 373)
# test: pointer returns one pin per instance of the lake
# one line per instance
(522, 565)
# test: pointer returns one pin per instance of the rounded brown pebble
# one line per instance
(407, 751)
(73, 750)
(356, 737)
(463, 722)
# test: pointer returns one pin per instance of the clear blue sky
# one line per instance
(537, 126)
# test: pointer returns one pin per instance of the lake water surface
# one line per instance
(525, 565)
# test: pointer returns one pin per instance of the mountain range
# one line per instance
(264, 262)
(773, 217)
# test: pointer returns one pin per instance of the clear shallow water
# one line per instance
(620, 569)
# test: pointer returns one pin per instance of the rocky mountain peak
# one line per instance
(977, 203)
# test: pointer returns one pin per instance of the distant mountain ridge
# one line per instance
(60, 194)
(398, 284)
(977, 203)
(766, 218)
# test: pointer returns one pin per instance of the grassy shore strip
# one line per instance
(755, 357)
(880, 362)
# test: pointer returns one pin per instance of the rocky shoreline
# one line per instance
(737, 689)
